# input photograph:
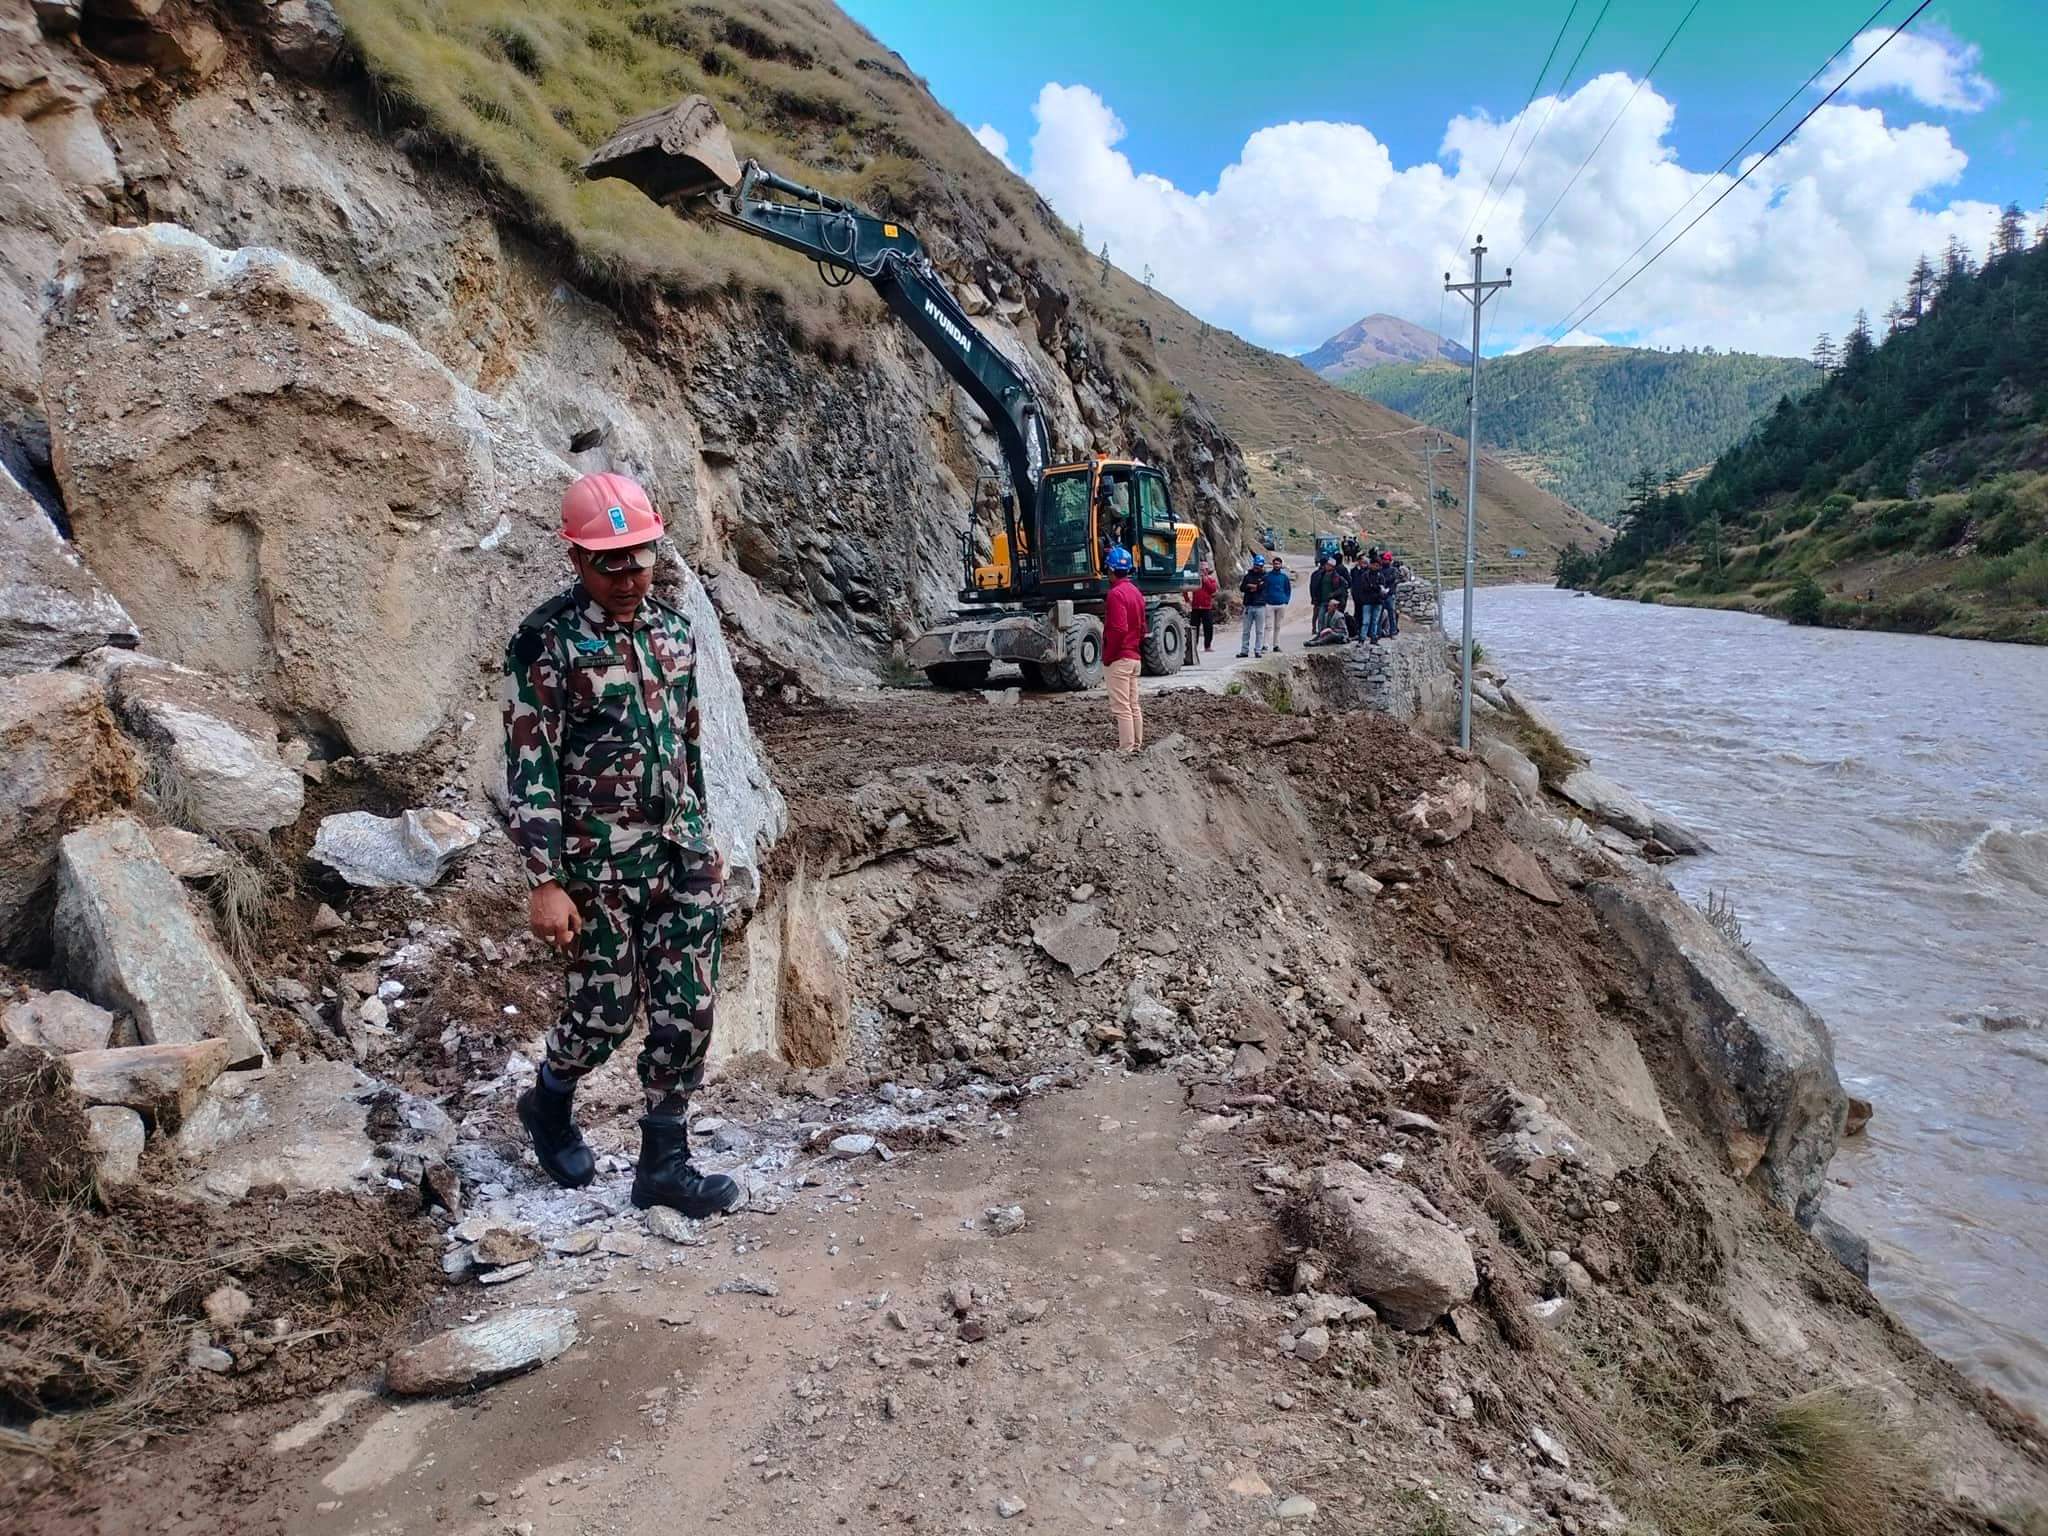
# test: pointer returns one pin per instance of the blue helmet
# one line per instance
(1119, 560)
(1258, 559)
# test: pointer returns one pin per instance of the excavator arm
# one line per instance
(676, 159)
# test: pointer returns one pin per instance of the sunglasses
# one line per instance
(623, 562)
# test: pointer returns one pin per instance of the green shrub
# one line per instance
(1797, 518)
(1806, 603)
(1945, 528)
(1834, 510)
(1921, 613)
(516, 46)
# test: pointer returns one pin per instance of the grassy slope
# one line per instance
(1583, 420)
(1882, 564)
(531, 87)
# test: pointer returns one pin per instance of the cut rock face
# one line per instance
(65, 762)
(1765, 1060)
(476, 1356)
(1391, 1246)
(52, 609)
(414, 849)
(217, 748)
(126, 937)
(345, 578)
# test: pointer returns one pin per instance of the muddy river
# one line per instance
(1879, 807)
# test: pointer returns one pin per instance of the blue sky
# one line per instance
(1947, 118)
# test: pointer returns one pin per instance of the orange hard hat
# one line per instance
(608, 511)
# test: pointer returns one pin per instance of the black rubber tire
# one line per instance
(957, 674)
(1035, 676)
(1164, 649)
(1082, 667)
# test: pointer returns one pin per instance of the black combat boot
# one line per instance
(563, 1155)
(665, 1177)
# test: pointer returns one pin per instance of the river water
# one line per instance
(1879, 809)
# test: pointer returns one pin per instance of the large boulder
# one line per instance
(1602, 797)
(126, 937)
(52, 609)
(279, 486)
(215, 749)
(1765, 1060)
(66, 762)
(1390, 1246)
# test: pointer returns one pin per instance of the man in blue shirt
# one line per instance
(1279, 592)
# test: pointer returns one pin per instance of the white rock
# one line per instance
(852, 1146)
(1313, 1344)
(499, 1346)
(414, 849)
(1550, 1447)
(202, 1356)
(58, 1022)
(1300, 1507)
(1602, 797)
(228, 1306)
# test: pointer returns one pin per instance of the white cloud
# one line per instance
(1931, 67)
(1315, 225)
(1572, 338)
(996, 142)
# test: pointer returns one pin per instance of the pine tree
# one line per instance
(1824, 356)
(1920, 290)
(1956, 265)
(1858, 345)
(1148, 277)
(1081, 235)
(1103, 281)
(1894, 319)
(2011, 237)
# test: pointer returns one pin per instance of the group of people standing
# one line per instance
(1351, 597)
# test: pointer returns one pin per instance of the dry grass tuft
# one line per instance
(1555, 762)
(1831, 1464)
(1720, 911)
(45, 1139)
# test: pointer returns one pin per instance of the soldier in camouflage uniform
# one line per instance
(606, 778)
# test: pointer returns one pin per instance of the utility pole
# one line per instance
(1474, 293)
(1430, 450)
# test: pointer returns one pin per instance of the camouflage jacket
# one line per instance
(602, 758)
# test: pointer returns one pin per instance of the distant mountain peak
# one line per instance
(1380, 339)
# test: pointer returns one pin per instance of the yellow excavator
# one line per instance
(1037, 599)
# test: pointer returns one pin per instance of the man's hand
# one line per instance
(552, 915)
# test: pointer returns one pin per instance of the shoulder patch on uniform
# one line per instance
(549, 611)
(528, 641)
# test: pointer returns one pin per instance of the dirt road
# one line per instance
(1103, 1375)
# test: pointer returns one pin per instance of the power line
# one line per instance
(1736, 153)
(1563, 84)
(1534, 86)
(1530, 238)
(1566, 325)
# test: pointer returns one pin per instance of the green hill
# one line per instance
(1584, 421)
(1909, 492)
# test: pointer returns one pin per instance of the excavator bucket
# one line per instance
(675, 156)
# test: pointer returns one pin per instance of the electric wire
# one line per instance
(1534, 86)
(1563, 85)
(1736, 153)
(1569, 322)
(1530, 238)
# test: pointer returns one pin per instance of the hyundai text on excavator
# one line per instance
(1037, 599)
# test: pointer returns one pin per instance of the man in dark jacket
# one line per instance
(1364, 597)
(1253, 590)
(1390, 587)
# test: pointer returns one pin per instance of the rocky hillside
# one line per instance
(1377, 340)
(1587, 422)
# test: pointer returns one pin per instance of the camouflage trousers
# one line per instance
(659, 937)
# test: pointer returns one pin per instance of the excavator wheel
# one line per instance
(957, 674)
(1165, 648)
(1082, 667)
(1034, 676)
